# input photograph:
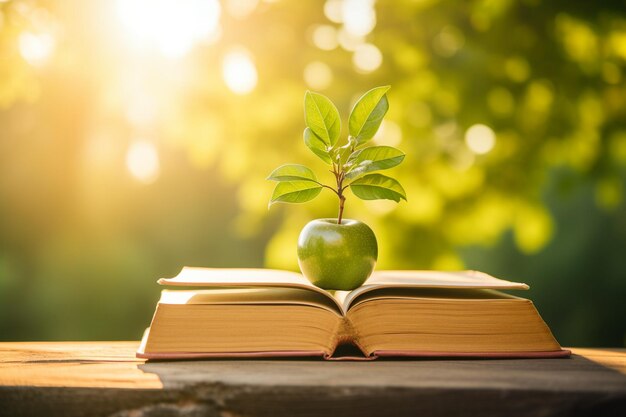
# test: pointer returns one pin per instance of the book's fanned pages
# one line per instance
(249, 296)
(428, 279)
(191, 276)
(242, 277)
(252, 277)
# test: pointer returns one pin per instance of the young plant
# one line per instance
(351, 163)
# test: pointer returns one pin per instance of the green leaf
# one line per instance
(316, 145)
(292, 172)
(295, 192)
(378, 187)
(368, 113)
(371, 159)
(321, 115)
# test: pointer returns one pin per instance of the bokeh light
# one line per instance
(36, 48)
(325, 37)
(358, 16)
(367, 58)
(480, 138)
(448, 41)
(239, 71)
(349, 41)
(333, 9)
(142, 161)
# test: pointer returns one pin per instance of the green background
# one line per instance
(82, 242)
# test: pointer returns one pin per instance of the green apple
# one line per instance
(337, 256)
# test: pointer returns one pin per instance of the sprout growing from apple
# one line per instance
(351, 163)
(340, 254)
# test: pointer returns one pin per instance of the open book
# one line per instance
(263, 312)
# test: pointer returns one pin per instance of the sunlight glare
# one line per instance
(239, 71)
(480, 138)
(142, 161)
(173, 27)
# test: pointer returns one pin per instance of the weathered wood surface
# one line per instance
(105, 379)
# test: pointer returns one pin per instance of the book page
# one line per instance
(243, 277)
(427, 279)
(249, 296)
(440, 294)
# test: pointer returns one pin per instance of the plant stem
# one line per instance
(342, 200)
(339, 173)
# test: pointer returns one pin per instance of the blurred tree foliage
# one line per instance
(512, 116)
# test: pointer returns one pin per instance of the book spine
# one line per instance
(346, 334)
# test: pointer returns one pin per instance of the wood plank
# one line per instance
(104, 378)
(74, 364)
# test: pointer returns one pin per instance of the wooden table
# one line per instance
(105, 379)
